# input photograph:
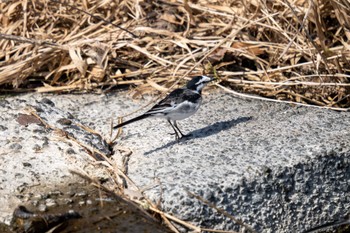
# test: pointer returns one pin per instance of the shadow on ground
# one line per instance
(204, 132)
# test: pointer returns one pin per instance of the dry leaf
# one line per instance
(253, 49)
(217, 55)
(170, 18)
(78, 62)
(25, 119)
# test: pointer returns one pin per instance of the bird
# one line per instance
(180, 104)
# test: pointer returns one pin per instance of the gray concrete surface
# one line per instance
(278, 167)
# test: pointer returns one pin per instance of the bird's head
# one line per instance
(198, 82)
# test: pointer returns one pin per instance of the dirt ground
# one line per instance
(80, 208)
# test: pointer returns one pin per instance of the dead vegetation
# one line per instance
(286, 50)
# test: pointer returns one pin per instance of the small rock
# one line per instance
(64, 121)
(55, 193)
(16, 146)
(48, 101)
(70, 151)
(67, 201)
(19, 175)
(39, 131)
(50, 202)
(36, 148)
(3, 128)
(81, 194)
(42, 208)
(26, 164)
(3, 103)
(35, 202)
(38, 196)
(25, 119)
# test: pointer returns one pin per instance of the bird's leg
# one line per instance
(177, 127)
(176, 133)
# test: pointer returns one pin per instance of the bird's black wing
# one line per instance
(175, 97)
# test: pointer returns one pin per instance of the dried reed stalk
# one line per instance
(288, 50)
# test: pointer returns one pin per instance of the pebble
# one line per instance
(42, 208)
(50, 202)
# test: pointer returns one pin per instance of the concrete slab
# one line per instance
(277, 167)
(280, 168)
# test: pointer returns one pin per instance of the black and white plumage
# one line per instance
(178, 105)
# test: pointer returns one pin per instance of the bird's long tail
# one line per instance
(131, 121)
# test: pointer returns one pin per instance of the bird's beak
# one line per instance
(209, 79)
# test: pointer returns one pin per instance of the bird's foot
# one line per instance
(183, 137)
(180, 137)
(177, 137)
(187, 135)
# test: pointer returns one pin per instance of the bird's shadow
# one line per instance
(204, 132)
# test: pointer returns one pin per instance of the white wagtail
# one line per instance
(178, 105)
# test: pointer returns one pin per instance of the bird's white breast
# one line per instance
(182, 110)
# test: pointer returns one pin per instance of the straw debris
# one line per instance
(285, 50)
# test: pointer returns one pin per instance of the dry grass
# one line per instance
(286, 50)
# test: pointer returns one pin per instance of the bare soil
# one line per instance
(94, 211)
